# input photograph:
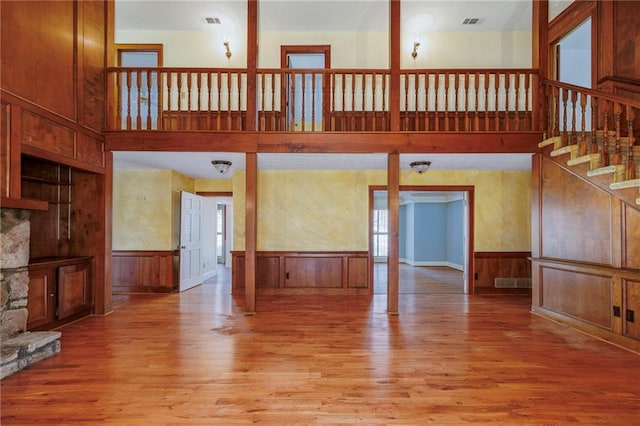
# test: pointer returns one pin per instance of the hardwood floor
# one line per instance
(195, 358)
(420, 279)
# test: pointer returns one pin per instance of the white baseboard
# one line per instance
(427, 263)
(209, 274)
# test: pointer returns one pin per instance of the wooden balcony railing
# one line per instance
(328, 100)
(598, 123)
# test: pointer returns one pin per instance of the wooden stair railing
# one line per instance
(323, 100)
(598, 130)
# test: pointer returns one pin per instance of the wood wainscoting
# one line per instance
(145, 271)
(513, 268)
(285, 272)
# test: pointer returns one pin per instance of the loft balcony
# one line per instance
(197, 109)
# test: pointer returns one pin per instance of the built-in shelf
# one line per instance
(24, 203)
(44, 181)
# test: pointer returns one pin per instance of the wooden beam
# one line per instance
(252, 60)
(327, 142)
(393, 199)
(250, 238)
(394, 60)
(540, 58)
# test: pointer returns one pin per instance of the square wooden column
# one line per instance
(393, 244)
(250, 232)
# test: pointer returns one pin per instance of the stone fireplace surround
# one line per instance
(19, 347)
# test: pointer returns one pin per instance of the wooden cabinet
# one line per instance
(41, 302)
(59, 291)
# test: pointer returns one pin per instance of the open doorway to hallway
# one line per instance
(434, 240)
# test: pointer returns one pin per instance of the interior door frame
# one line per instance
(469, 191)
(325, 49)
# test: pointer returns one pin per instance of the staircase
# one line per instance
(609, 155)
(619, 179)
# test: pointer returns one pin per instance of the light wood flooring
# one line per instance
(447, 359)
(420, 279)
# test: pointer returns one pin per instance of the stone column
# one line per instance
(14, 277)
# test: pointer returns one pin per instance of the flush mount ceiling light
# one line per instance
(221, 166)
(420, 166)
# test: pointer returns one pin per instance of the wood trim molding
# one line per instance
(215, 193)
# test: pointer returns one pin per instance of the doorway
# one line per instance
(305, 105)
(435, 239)
(139, 92)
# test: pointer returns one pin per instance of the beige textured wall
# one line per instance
(327, 210)
(142, 210)
(146, 208)
(213, 185)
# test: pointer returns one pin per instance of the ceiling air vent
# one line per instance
(212, 20)
(471, 21)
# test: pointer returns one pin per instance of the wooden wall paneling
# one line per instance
(492, 265)
(626, 39)
(632, 302)
(91, 63)
(605, 47)
(38, 63)
(581, 295)
(631, 238)
(313, 272)
(617, 300)
(47, 135)
(358, 272)
(143, 271)
(5, 151)
(576, 217)
(90, 149)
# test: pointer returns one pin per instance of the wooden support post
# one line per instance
(252, 55)
(394, 57)
(250, 227)
(393, 191)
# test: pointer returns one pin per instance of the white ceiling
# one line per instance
(324, 15)
(198, 164)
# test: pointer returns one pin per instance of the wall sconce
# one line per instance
(228, 49)
(221, 166)
(420, 166)
(414, 53)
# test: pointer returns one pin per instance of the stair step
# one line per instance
(592, 159)
(554, 140)
(570, 149)
(616, 171)
(633, 183)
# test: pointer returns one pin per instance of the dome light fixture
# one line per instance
(221, 166)
(420, 166)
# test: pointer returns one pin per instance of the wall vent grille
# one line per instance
(512, 283)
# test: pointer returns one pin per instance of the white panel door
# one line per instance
(190, 240)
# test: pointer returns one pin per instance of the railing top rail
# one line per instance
(331, 70)
(593, 93)
(470, 70)
(176, 69)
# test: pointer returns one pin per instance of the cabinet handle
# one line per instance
(52, 294)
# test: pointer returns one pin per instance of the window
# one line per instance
(380, 232)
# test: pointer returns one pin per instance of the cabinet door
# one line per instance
(73, 289)
(41, 302)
